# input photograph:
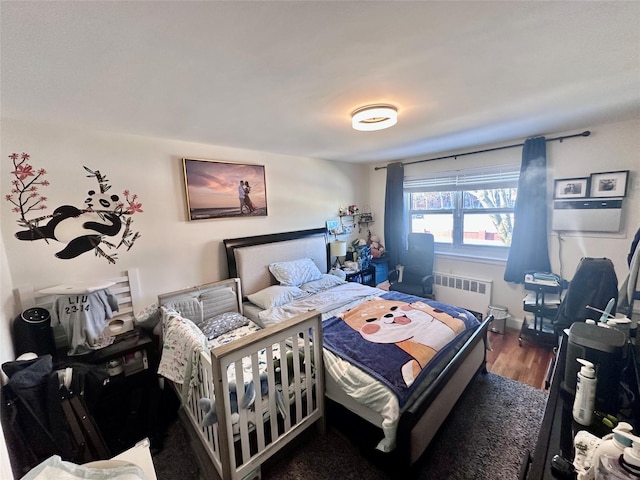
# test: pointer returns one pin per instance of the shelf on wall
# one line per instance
(359, 218)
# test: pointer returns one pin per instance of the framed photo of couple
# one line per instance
(216, 189)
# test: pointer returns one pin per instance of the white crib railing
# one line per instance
(238, 444)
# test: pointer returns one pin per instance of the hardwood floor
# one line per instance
(527, 363)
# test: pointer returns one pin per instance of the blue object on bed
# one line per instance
(386, 361)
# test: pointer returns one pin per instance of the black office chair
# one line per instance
(417, 267)
(594, 283)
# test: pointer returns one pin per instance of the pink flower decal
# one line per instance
(23, 172)
(134, 207)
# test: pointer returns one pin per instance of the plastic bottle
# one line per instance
(585, 400)
(612, 444)
(621, 467)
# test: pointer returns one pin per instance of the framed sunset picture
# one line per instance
(216, 189)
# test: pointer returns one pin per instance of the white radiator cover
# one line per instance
(463, 291)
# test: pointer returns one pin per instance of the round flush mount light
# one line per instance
(374, 117)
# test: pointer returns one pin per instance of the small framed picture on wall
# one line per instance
(571, 188)
(609, 184)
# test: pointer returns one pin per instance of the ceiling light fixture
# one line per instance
(374, 117)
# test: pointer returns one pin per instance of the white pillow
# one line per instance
(295, 272)
(274, 296)
(325, 282)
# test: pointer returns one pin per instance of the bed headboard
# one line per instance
(248, 258)
(125, 288)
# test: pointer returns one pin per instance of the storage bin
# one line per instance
(382, 269)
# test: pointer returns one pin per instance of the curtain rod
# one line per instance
(586, 133)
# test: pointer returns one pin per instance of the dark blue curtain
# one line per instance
(529, 251)
(394, 233)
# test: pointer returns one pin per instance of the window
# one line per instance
(468, 211)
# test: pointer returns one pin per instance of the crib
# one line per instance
(239, 442)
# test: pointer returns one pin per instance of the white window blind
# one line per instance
(501, 176)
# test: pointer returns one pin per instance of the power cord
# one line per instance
(560, 240)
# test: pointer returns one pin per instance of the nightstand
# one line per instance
(366, 276)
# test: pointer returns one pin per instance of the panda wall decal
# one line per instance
(102, 224)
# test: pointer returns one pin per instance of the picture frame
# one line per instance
(571, 188)
(334, 227)
(609, 184)
(212, 189)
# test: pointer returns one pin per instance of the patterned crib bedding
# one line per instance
(184, 341)
(284, 398)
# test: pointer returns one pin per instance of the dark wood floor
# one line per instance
(527, 363)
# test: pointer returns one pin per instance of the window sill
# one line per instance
(474, 257)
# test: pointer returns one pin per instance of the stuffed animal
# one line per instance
(377, 249)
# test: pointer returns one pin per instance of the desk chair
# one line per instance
(594, 283)
(417, 267)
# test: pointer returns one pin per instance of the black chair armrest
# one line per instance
(427, 280)
(427, 285)
(393, 275)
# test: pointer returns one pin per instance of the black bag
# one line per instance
(41, 419)
(594, 284)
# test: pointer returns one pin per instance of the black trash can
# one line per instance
(32, 332)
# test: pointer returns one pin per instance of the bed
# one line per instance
(407, 427)
(241, 401)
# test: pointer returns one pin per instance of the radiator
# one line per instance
(473, 294)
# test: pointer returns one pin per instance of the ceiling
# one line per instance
(283, 77)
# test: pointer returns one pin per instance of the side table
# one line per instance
(558, 427)
(126, 410)
(544, 305)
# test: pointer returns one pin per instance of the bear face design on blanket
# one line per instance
(417, 328)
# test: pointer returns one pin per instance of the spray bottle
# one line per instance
(584, 403)
(621, 467)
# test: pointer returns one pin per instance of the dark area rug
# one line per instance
(486, 437)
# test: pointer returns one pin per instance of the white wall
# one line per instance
(172, 253)
(6, 347)
(610, 147)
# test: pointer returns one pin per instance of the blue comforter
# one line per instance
(397, 339)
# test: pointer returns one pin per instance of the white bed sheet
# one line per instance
(367, 391)
(328, 302)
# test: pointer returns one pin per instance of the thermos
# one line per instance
(584, 402)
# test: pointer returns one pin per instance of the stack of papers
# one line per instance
(550, 300)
